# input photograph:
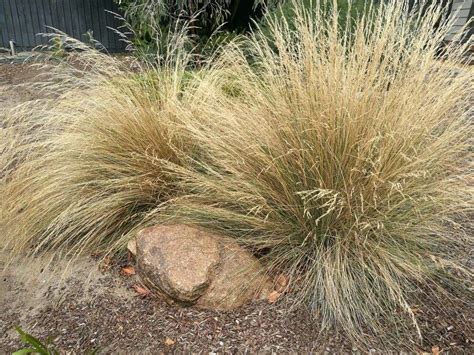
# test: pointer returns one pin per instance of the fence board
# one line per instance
(10, 29)
(22, 20)
(462, 12)
(48, 21)
(19, 21)
(3, 24)
(41, 19)
(35, 16)
(109, 22)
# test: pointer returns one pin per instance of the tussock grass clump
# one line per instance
(84, 166)
(339, 155)
(342, 158)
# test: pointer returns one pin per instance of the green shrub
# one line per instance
(345, 8)
(151, 20)
(214, 22)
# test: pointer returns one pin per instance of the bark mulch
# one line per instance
(105, 312)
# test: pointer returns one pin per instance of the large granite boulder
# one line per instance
(192, 267)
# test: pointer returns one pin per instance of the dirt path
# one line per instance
(88, 308)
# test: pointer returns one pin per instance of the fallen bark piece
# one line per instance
(128, 270)
(141, 291)
(273, 297)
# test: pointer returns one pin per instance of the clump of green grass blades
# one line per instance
(36, 346)
(339, 155)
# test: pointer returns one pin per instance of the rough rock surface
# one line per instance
(239, 280)
(190, 266)
(178, 261)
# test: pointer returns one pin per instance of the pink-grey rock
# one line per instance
(178, 261)
(132, 247)
(190, 266)
(239, 280)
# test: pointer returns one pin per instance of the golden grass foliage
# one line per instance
(342, 160)
(84, 166)
(341, 156)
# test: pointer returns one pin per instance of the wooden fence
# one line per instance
(463, 10)
(22, 20)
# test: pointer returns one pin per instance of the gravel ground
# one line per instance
(12, 78)
(88, 308)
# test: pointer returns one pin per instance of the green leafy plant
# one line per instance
(35, 346)
(347, 9)
(58, 47)
(214, 21)
(152, 20)
(147, 14)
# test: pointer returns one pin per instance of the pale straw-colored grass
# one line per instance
(340, 156)
(82, 168)
(343, 158)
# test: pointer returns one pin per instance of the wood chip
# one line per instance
(273, 296)
(142, 291)
(169, 341)
(128, 270)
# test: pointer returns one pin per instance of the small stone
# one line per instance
(169, 342)
(132, 247)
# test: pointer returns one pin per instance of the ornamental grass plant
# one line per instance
(340, 155)
(342, 158)
(83, 166)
